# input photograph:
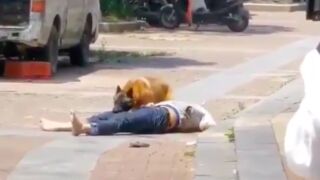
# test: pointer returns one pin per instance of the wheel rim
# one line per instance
(169, 18)
(239, 23)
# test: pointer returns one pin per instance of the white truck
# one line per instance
(41, 29)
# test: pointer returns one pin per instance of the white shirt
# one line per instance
(302, 139)
(198, 118)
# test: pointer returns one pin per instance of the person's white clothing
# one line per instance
(302, 139)
(196, 117)
(198, 4)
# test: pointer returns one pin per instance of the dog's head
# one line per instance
(122, 100)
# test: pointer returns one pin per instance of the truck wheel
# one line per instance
(10, 50)
(51, 50)
(79, 55)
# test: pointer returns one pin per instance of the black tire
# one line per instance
(169, 18)
(51, 50)
(153, 22)
(10, 50)
(79, 55)
(2, 66)
(241, 21)
(1, 47)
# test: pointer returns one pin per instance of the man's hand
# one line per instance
(149, 105)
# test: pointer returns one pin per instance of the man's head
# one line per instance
(204, 118)
(190, 112)
(122, 100)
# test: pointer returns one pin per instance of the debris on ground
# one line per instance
(139, 144)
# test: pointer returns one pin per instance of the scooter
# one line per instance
(171, 13)
(313, 10)
(223, 12)
(157, 12)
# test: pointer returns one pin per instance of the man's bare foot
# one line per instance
(47, 125)
(77, 125)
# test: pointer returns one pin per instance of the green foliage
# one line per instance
(115, 8)
(230, 135)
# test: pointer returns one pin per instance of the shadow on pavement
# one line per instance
(67, 73)
(223, 29)
(258, 30)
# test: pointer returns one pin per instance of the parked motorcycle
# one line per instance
(157, 12)
(171, 13)
(313, 10)
(223, 12)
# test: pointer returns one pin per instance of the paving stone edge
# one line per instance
(123, 26)
(272, 7)
(254, 136)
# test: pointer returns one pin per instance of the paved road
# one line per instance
(207, 64)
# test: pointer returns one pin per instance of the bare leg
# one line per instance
(48, 125)
(79, 127)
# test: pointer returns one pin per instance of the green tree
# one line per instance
(115, 8)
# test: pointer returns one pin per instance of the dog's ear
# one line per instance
(130, 93)
(118, 89)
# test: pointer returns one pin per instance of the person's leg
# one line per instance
(79, 127)
(146, 120)
(100, 117)
(48, 125)
(76, 126)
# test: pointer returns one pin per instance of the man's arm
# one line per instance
(149, 105)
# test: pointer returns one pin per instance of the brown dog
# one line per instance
(139, 92)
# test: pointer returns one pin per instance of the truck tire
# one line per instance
(79, 55)
(10, 50)
(51, 50)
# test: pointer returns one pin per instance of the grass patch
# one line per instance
(116, 8)
(230, 135)
(190, 153)
(113, 18)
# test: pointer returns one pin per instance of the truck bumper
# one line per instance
(29, 35)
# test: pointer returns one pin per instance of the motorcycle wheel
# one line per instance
(153, 22)
(240, 22)
(169, 18)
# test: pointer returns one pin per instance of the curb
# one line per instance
(255, 140)
(276, 7)
(118, 27)
(215, 157)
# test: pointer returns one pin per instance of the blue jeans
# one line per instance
(147, 120)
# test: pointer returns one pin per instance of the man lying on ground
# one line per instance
(164, 117)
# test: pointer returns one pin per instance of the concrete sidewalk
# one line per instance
(63, 157)
(256, 143)
(238, 76)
